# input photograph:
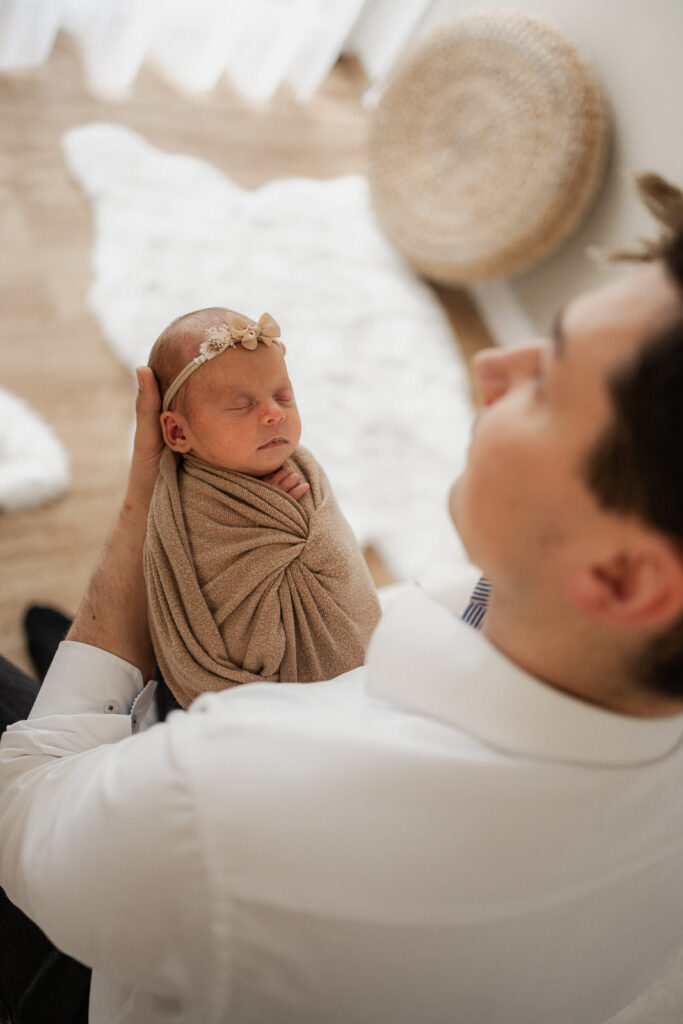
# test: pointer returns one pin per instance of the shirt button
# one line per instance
(112, 708)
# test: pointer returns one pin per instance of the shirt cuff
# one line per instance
(84, 680)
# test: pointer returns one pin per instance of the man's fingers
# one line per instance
(148, 401)
(148, 442)
(147, 408)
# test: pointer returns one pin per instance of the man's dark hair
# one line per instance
(636, 465)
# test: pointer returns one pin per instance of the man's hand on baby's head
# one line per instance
(148, 443)
(289, 481)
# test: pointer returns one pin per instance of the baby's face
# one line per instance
(241, 413)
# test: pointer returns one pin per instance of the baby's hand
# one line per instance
(289, 481)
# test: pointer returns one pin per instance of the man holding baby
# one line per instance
(474, 825)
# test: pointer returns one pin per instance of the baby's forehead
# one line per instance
(237, 369)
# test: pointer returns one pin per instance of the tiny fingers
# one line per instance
(279, 476)
(299, 491)
(289, 481)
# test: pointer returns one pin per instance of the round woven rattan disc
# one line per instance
(487, 147)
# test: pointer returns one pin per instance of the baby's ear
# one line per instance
(174, 429)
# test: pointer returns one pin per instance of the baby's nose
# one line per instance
(272, 413)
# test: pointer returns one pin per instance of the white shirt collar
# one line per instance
(426, 659)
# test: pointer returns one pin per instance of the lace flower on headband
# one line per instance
(241, 332)
(223, 336)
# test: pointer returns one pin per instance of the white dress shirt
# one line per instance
(436, 837)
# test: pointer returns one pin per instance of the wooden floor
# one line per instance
(52, 352)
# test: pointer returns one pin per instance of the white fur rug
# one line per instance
(380, 385)
(34, 467)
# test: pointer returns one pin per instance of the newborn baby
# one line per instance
(252, 571)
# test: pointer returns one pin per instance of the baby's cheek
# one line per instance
(295, 428)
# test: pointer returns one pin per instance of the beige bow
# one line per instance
(241, 332)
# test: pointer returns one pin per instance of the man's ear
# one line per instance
(642, 586)
(175, 430)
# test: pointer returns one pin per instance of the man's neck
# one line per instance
(577, 656)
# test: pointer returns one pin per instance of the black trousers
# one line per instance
(38, 983)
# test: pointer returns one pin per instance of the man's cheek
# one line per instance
(470, 506)
(454, 500)
(493, 440)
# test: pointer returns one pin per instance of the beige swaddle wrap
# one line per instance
(244, 583)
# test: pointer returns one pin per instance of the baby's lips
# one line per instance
(273, 440)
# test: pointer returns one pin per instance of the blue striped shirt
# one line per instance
(476, 610)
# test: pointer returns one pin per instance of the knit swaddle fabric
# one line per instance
(244, 583)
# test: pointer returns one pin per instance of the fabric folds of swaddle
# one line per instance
(244, 583)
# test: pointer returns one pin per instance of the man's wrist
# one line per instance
(113, 613)
(135, 505)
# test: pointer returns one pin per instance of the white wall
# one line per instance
(636, 47)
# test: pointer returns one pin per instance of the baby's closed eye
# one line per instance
(238, 403)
